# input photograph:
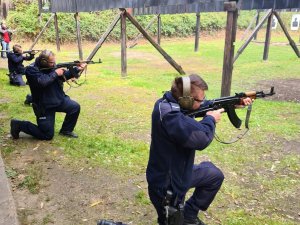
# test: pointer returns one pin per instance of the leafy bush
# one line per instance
(25, 19)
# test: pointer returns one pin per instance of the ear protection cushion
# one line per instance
(186, 101)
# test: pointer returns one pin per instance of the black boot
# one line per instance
(195, 221)
(28, 100)
(15, 128)
(68, 134)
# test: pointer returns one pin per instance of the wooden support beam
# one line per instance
(242, 48)
(268, 37)
(256, 23)
(197, 33)
(123, 44)
(42, 31)
(158, 29)
(134, 42)
(56, 32)
(292, 43)
(155, 45)
(249, 27)
(104, 36)
(232, 14)
(76, 16)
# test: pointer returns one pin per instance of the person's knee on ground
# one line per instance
(17, 80)
(17, 126)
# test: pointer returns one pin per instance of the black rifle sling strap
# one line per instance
(240, 136)
(77, 84)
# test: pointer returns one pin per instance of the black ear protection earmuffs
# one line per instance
(186, 101)
(44, 56)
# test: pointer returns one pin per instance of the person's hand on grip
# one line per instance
(81, 66)
(216, 114)
(59, 71)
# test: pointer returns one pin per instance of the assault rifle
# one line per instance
(72, 66)
(75, 63)
(229, 103)
(32, 52)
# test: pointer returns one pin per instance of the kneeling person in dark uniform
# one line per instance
(175, 137)
(15, 65)
(48, 97)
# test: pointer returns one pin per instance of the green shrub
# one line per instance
(25, 19)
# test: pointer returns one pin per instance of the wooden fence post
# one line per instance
(56, 32)
(123, 44)
(197, 34)
(158, 29)
(76, 16)
(232, 14)
(268, 37)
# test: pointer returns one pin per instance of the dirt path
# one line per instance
(72, 194)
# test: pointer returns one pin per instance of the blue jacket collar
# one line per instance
(169, 97)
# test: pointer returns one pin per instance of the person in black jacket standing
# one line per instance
(175, 138)
(48, 97)
(15, 65)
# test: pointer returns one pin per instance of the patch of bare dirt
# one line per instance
(283, 202)
(74, 194)
(285, 89)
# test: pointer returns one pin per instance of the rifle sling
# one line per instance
(240, 136)
(77, 84)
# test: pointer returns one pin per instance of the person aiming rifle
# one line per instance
(15, 64)
(175, 138)
(48, 97)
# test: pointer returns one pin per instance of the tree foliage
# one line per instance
(25, 19)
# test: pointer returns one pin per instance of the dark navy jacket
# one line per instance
(15, 62)
(46, 86)
(175, 137)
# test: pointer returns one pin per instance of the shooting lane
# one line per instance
(269, 15)
(143, 7)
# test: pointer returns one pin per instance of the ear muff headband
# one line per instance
(186, 101)
(186, 86)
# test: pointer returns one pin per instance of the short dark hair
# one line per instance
(196, 81)
(16, 48)
(44, 56)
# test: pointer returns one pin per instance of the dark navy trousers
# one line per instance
(16, 79)
(44, 130)
(206, 179)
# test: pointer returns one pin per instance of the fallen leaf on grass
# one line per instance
(95, 203)
(38, 145)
